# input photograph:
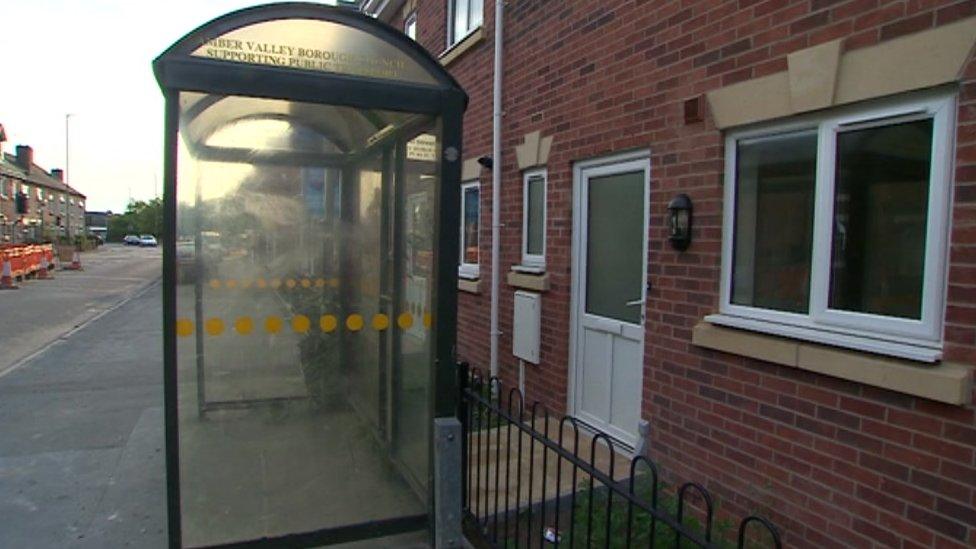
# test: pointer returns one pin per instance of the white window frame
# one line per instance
(905, 338)
(469, 270)
(411, 20)
(3, 187)
(533, 262)
(453, 37)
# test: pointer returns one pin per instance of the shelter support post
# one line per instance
(447, 483)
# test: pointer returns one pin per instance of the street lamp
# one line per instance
(67, 170)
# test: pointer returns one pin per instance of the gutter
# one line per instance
(496, 179)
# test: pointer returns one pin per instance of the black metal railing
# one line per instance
(526, 484)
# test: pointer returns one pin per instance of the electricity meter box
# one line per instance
(527, 325)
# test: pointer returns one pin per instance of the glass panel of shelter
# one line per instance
(304, 356)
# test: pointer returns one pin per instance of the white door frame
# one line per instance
(619, 163)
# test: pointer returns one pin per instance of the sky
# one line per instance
(92, 59)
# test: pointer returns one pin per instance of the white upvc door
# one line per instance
(609, 293)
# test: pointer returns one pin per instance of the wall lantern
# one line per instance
(679, 222)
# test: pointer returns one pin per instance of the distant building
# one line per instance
(36, 204)
(96, 223)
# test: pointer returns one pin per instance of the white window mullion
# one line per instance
(823, 214)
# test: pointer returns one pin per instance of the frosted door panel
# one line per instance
(614, 247)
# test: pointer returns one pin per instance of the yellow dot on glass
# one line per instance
(275, 283)
(319, 282)
(306, 283)
(381, 322)
(184, 327)
(246, 284)
(231, 283)
(328, 323)
(427, 320)
(405, 321)
(300, 323)
(244, 325)
(290, 283)
(354, 322)
(261, 283)
(214, 283)
(334, 282)
(273, 324)
(214, 326)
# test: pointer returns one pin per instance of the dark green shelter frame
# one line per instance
(178, 70)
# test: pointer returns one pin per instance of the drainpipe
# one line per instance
(496, 180)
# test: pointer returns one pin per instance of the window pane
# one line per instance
(411, 27)
(460, 20)
(470, 240)
(615, 246)
(774, 221)
(535, 223)
(476, 15)
(880, 204)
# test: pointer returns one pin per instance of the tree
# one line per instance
(140, 217)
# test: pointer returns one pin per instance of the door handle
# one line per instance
(634, 302)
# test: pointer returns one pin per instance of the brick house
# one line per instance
(54, 208)
(810, 353)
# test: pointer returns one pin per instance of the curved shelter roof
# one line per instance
(319, 57)
(324, 39)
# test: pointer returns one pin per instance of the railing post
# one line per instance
(448, 482)
(463, 411)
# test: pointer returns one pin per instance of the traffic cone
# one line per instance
(6, 277)
(44, 273)
(75, 262)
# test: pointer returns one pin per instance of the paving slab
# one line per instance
(81, 436)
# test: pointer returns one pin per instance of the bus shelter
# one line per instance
(312, 166)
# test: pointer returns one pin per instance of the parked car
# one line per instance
(148, 240)
(132, 240)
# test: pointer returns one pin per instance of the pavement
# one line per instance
(43, 311)
(81, 421)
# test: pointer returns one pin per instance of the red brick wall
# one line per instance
(830, 461)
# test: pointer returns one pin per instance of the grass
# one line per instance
(640, 525)
(641, 522)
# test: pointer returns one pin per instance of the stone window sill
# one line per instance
(461, 47)
(538, 282)
(945, 382)
(469, 285)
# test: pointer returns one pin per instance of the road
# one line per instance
(42, 311)
(81, 424)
